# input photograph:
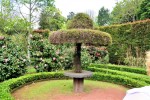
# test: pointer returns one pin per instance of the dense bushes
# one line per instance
(13, 60)
(120, 68)
(130, 39)
(48, 57)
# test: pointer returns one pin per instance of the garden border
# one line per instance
(6, 87)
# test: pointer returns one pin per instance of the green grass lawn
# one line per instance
(44, 89)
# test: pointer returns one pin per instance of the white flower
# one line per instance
(24, 60)
(54, 58)
(6, 60)
(31, 36)
(3, 46)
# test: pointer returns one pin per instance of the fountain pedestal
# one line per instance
(78, 79)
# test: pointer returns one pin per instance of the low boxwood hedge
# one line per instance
(122, 80)
(120, 68)
(8, 86)
(121, 73)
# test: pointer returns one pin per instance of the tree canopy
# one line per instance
(144, 11)
(103, 17)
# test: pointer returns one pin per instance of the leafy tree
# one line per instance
(125, 11)
(51, 19)
(144, 11)
(103, 16)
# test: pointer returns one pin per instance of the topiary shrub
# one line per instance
(86, 36)
(13, 60)
(81, 21)
(80, 34)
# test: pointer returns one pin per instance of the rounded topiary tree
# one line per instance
(80, 32)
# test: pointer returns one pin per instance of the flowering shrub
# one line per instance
(99, 55)
(48, 57)
(13, 60)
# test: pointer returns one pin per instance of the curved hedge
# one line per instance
(121, 73)
(120, 68)
(122, 80)
(7, 86)
(87, 36)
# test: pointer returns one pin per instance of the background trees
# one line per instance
(103, 16)
(144, 11)
(126, 11)
(51, 18)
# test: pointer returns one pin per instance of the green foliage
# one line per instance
(117, 79)
(133, 61)
(10, 21)
(87, 36)
(144, 12)
(45, 56)
(51, 19)
(125, 11)
(120, 68)
(103, 17)
(98, 55)
(140, 77)
(13, 60)
(80, 21)
(130, 39)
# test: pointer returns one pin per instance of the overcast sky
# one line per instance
(66, 6)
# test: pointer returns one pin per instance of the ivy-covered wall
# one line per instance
(129, 39)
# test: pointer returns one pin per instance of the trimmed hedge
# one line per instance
(7, 86)
(80, 21)
(121, 73)
(133, 37)
(120, 68)
(87, 36)
(125, 81)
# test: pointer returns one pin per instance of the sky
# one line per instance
(66, 6)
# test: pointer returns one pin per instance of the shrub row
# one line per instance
(131, 37)
(120, 68)
(8, 86)
(121, 73)
(122, 80)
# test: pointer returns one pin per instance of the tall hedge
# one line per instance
(130, 37)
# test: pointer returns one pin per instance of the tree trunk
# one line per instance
(77, 58)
